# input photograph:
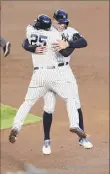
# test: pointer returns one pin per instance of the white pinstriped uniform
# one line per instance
(60, 79)
(50, 97)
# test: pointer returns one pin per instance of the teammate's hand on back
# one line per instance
(59, 45)
(40, 49)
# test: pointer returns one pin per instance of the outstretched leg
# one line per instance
(33, 94)
(82, 141)
(65, 89)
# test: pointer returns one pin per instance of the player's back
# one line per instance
(43, 38)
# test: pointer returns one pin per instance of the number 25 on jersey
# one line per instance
(38, 40)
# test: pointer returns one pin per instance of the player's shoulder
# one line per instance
(29, 27)
(54, 34)
(54, 31)
(53, 28)
(72, 30)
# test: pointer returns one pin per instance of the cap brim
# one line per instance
(63, 21)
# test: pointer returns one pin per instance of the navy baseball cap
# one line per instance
(61, 16)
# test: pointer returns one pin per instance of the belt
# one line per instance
(52, 67)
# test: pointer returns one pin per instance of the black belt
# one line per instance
(52, 67)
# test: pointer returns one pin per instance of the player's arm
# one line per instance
(77, 41)
(28, 47)
(67, 51)
(33, 48)
(27, 42)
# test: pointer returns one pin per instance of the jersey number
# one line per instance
(38, 40)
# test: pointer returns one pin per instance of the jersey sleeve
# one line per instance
(73, 30)
(28, 47)
(75, 35)
(76, 39)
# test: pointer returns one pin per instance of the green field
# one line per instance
(7, 114)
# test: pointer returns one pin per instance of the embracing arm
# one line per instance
(78, 41)
(67, 51)
(31, 48)
(28, 47)
(67, 47)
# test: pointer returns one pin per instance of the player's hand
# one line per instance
(40, 49)
(59, 45)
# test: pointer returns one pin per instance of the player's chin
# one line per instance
(61, 29)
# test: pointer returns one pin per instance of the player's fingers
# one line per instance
(39, 51)
(43, 47)
(58, 48)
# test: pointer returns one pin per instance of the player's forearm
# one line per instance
(28, 47)
(80, 43)
(66, 52)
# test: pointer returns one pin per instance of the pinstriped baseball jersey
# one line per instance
(67, 35)
(58, 79)
(43, 37)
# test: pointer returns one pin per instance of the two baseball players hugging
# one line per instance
(51, 42)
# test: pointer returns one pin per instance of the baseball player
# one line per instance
(5, 46)
(49, 74)
(73, 40)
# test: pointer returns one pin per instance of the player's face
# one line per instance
(60, 27)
